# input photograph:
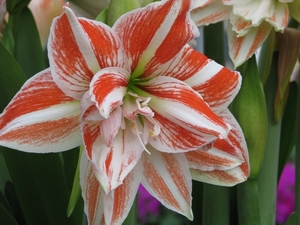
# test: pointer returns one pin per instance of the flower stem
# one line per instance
(216, 206)
(267, 179)
(248, 203)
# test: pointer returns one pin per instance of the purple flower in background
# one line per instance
(147, 205)
(286, 194)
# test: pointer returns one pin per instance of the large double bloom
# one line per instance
(250, 21)
(147, 107)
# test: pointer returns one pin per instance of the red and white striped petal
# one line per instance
(228, 177)
(280, 17)
(107, 89)
(175, 100)
(41, 118)
(150, 35)
(242, 48)
(220, 155)
(254, 11)
(111, 164)
(167, 178)
(78, 48)
(210, 13)
(118, 202)
(92, 193)
(217, 85)
(174, 138)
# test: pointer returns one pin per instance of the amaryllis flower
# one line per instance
(250, 21)
(147, 107)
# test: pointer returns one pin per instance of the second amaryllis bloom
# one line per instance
(147, 107)
(250, 21)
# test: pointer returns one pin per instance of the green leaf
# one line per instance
(293, 219)
(76, 190)
(5, 217)
(117, 8)
(13, 5)
(13, 200)
(11, 76)
(28, 49)
(5, 203)
(288, 128)
(102, 16)
(249, 108)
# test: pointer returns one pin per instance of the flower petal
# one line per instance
(47, 122)
(280, 17)
(167, 178)
(242, 48)
(210, 13)
(178, 102)
(78, 48)
(92, 193)
(111, 164)
(150, 35)
(217, 85)
(107, 89)
(174, 138)
(118, 202)
(232, 176)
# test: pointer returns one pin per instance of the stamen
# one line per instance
(134, 126)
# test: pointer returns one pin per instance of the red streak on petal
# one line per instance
(104, 43)
(105, 85)
(41, 93)
(262, 34)
(176, 136)
(108, 166)
(39, 134)
(237, 45)
(90, 135)
(219, 88)
(92, 196)
(206, 159)
(177, 175)
(68, 59)
(186, 96)
(157, 182)
(121, 197)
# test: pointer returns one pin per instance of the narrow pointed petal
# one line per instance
(107, 89)
(228, 177)
(242, 48)
(118, 202)
(217, 85)
(92, 193)
(78, 48)
(210, 13)
(178, 102)
(152, 37)
(167, 178)
(111, 164)
(41, 118)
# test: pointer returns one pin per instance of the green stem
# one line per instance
(267, 179)
(216, 206)
(216, 199)
(248, 203)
